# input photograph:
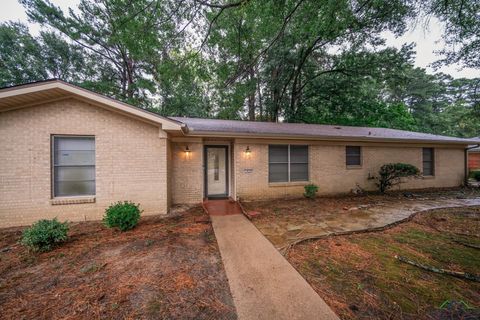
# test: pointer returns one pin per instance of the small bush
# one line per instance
(122, 215)
(310, 191)
(392, 173)
(476, 175)
(44, 234)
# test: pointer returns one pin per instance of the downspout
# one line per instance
(466, 162)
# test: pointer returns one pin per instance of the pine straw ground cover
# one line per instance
(164, 268)
(359, 277)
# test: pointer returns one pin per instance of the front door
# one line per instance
(216, 171)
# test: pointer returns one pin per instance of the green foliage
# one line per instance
(127, 41)
(462, 30)
(392, 173)
(43, 235)
(310, 191)
(122, 215)
(256, 60)
(476, 175)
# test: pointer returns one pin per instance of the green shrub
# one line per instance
(310, 191)
(44, 234)
(476, 175)
(392, 173)
(122, 215)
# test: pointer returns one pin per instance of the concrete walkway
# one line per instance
(263, 284)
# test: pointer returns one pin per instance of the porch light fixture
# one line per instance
(187, 150)
(247, 151)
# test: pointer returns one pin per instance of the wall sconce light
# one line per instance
(248, 151)
(187, 150)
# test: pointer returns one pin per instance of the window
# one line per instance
(353, 156)
(287, 163)
(428, 162)
(73, 166)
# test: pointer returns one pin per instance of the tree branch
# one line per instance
(286, 20)
(222, 6)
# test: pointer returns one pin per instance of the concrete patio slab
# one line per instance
(283, 229)
(263, 284)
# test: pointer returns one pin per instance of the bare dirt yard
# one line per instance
(164, 268)
(359, 276)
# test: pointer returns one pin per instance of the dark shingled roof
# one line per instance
(311, 131)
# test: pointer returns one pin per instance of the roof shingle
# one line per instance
(197, 126)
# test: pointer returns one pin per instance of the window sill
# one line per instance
(354, 167)
(72, 200)
(288, 184)
(428, 177)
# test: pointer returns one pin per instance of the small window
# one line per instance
(73, 166)
(428, 162)
(287, 163)
(353, 156)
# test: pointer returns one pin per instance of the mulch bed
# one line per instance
(164, 268)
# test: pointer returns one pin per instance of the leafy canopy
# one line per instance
(311, 61)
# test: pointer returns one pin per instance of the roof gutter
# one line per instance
(466, 162)
(253, 135)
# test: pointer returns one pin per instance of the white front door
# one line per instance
(216, 171)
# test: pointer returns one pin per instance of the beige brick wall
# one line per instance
(327, 168)
(131, 162)
(187, 172)
(136, 162)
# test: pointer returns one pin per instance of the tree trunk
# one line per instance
(260, 103)
(251, 96)
(275, 95)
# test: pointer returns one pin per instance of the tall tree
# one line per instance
(25, 58)
(314, 61)
(123, 36)
(462, 30)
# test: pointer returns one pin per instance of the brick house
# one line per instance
(69, 153)
(474, 158)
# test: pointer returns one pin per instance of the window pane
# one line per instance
(74, 188)
(427, 154)
(298, 154)
(74, 173)
(427, 169)
(353, 160)
(353, 150)
(278, 172)
(80, 157)
(74, 143)
(299, 172)
(277, 153)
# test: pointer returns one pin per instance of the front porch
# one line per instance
(202, 168)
